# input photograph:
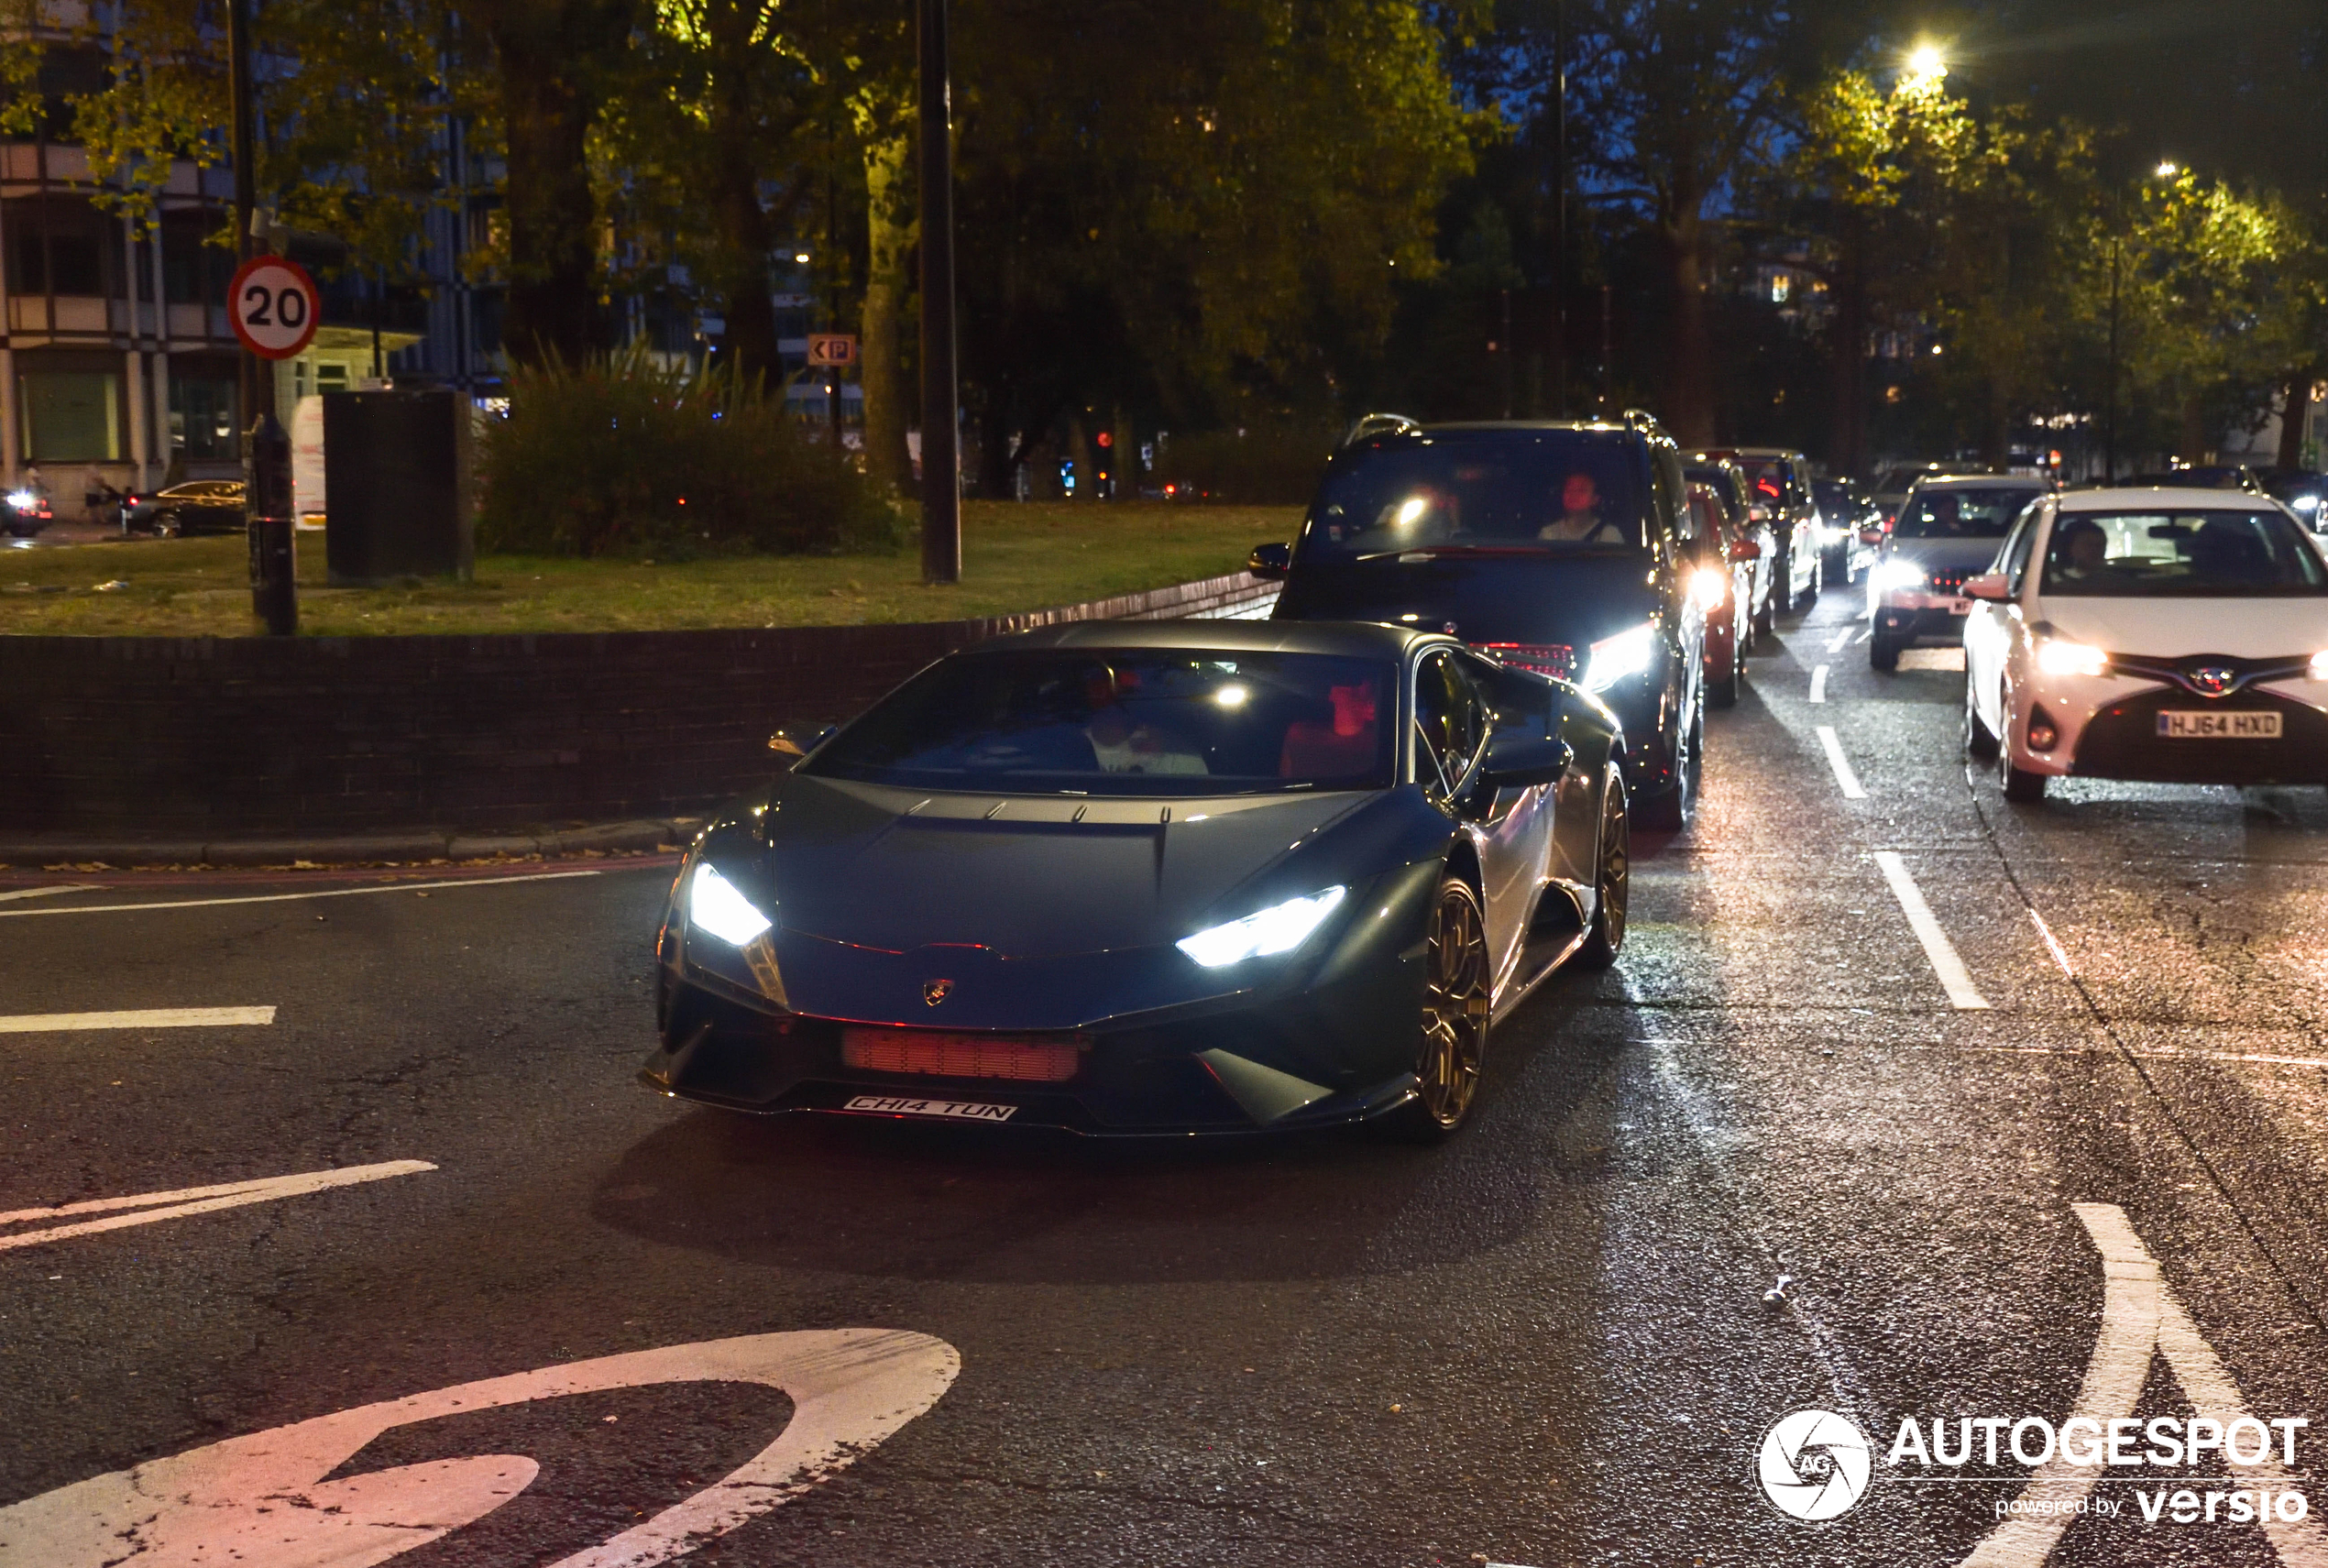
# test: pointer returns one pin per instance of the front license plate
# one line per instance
(1959, 607)
(2186, 724)
(960, 1110)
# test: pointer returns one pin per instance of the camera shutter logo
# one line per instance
(1815, 1464)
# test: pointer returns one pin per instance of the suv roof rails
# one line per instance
(1380, 425)
(1644, 421)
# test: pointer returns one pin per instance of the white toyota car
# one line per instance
(2175, 635)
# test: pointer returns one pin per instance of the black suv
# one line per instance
(1566, 549)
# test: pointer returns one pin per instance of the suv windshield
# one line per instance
(1961, 514)
(2201, 555)
(1549, 490)
(1135, 721)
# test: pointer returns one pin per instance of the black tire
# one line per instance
(1722, 689)
(1667, 810)
(1782, 587)
(1766, 621)
(1605, 938)
(1883, 653)
(1979, 742)
(1457, 1000)
(2021, 786)
(1809, 595)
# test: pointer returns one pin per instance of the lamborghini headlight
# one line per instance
(2057, 656)
(1627, 653)
(1280, 928)
(715, 905)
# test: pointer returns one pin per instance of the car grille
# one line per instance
(2122, 741)
(2210, 675)
(945, 1055)
(1557, 659)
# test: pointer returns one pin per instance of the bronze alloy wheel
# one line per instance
(1613, 883)
(1455, 1005)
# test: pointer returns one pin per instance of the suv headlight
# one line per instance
(715, 905)
(1897, 577)
(1280, 928)
(1627, 653)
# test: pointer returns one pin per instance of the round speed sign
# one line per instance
(275, 306)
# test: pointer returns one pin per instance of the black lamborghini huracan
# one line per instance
(1151, 877)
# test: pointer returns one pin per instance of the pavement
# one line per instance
(411, 847)
(331, 1202)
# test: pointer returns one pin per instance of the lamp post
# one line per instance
(942, 519)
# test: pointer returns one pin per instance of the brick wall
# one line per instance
(166, 736)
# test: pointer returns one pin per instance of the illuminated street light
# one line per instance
(1927, 66)
(2169, 170)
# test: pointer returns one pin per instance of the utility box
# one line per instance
(396, 468)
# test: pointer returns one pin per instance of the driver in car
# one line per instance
(1580, 522)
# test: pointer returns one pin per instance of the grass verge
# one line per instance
(1015, 557)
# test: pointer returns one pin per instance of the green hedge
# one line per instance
(621, 456)
(1271, 465)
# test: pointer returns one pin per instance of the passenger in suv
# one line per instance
(1566, 549)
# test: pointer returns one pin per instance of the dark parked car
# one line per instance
(1747, 522)
(1560, 548)
(198, 506)
(1154, 877)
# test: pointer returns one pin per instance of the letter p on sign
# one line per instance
(274, 306)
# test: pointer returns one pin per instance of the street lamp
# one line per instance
(1927, 67)
(2169, 169)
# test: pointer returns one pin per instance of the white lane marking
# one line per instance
(2140, 1319)
(285, 897)
(1840, 764)
(1842, 640)
(13, 894)
(192, 1201)
(1818, 683)
(2053, 945)
(1957, 981)
(2267, 1059)
(136, 1018)
(260, 1501)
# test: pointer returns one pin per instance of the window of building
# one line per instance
(59, 246)
(71, 416)
(202, 419)
(194, 271)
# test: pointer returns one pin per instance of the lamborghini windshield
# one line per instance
(1537, 491)
(1140, 721)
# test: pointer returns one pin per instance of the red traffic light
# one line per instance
(1106, 438)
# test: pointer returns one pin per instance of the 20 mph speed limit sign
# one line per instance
(275, 306)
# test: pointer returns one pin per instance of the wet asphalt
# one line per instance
(1560, 1339)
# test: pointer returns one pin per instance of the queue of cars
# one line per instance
(1151, 879)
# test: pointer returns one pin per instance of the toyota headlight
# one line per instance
(2056, 656)
(1897, 576)
(1627, 653)
(715, 905)
(1280, 928)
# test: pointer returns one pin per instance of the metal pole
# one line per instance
(1560, 211)
(941, 521)
(245, 188)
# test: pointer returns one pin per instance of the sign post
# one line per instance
(274, 306)
(830, 351)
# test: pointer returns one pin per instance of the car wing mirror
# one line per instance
(1521, 763)
(1270, 561)
(1993, 587)
(1745, 550)
(791, 751)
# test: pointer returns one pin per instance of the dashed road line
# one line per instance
(1818, 683)
(137, 1018)
(153, 1207)
(1840, 764)
(1842, 640)
(438, 887)
(1955, 978)
(16, 892)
